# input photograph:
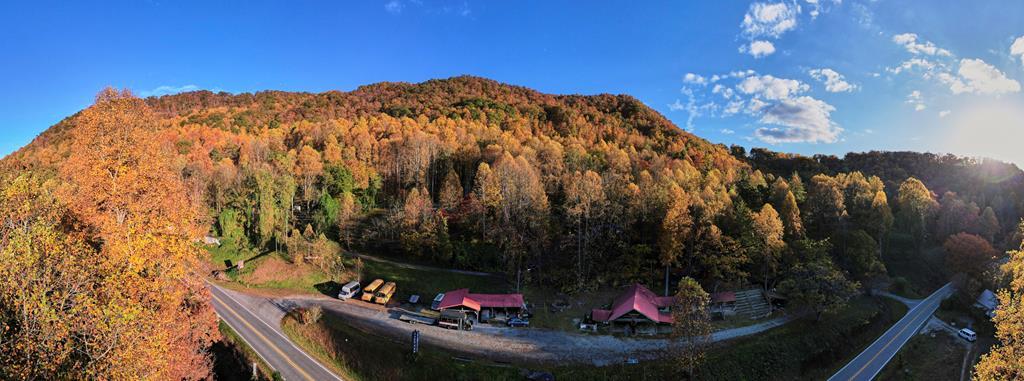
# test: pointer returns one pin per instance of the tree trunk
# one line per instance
(666, 280)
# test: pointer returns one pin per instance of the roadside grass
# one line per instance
(927, 357)
(226, 253)
(359, 355)
(233, 358)
(805, 349)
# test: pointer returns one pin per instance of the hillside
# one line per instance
(564, 193)
(390, 145)
(476, 174)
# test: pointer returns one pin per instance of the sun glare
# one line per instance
(993, 129)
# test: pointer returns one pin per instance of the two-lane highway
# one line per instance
(268, 341)
(867, 365)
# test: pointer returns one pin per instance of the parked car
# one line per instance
(349, 290)
(436, 304)
(968, 334)
(518, 322)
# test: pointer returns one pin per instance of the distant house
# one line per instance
(723, 304)
(988, 301)
(483, 306)
(636, 306)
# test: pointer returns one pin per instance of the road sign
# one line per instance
(416, 341)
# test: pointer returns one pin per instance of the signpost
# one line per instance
(415, 341)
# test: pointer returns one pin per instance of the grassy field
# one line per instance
(426, 283)
(928, 358)
(358, 355)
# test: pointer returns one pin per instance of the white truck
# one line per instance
(349, 290)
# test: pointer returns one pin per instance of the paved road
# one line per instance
(267, 340)
(867, 364)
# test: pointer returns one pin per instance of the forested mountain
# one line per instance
(565, 191)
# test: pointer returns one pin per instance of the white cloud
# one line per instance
(944, 113)
(909, 41)
(727, 131)
(733, 108)
(834, 82)
(167, 90)
(920, 63)
(694, 79)
(676, 106)
(917, 100)
(725, 92)
(1017, 49)
(777, 104)
(759, 48)
(771, 20)
(801, 119)
(978, 77)
(394, 6)
(769, 87)
(818, 6)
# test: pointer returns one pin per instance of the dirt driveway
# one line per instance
(491, 342)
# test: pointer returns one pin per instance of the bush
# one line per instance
(309, 315)
(899, 284)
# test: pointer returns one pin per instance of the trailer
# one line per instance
(417, 319)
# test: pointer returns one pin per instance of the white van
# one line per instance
(349, 290)
(968, 334)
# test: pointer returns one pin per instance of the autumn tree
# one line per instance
(451, 191)
(584, 204)
(880, 220)
(1006, 359)
(825, 206)
(968, 253)
(768, 228)
(676, 229)
(691, 325)
(789, 212)
(916, 206)
(308, 167)
(348, 214)
(153, 317)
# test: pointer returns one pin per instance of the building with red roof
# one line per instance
(638, 305)
(489, 304)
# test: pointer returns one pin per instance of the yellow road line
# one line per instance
(918, 314)
(271, 344)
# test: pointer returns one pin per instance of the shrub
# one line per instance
(310, 315)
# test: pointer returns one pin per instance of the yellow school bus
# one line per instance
(384, 294)
(370, 289)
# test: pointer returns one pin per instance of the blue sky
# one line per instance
(801, 76)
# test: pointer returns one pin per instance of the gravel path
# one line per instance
(491, 342)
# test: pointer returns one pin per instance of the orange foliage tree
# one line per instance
(152, 319)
